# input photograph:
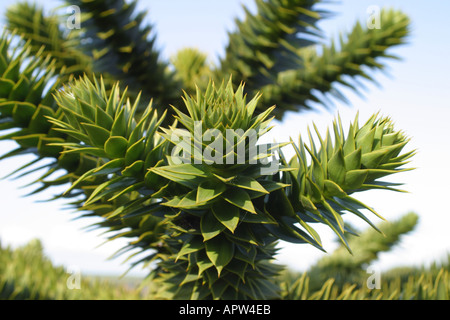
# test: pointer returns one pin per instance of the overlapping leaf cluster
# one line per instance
(220, 211)
(201, 198)
(121, 189)
(210, 206)
(27, 104)
(321, 188)
(221, 215)
(267, 41)
(342, 64)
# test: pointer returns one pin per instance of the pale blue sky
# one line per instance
(416, 96)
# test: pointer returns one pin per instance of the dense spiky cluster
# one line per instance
(342, 63)
(219, 214)
(266, 42)
(203, 199)
(273, 52)
(27, 104)
(320, 191)
(121, 187)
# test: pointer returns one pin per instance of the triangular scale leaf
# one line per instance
(227, 214)
(220, 252)
(209, 190)
(249, 184)
(210, 226)
(240, 199)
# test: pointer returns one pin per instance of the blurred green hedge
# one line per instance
(26, 273)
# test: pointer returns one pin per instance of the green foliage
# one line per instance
(27, 274)
(320, 189)
(120, 187)
(119, 44)
(45, 38)
(350, 268)
(343, 276)
(274, 52)
(266, 43)
(217, 212)
(189, 188)
(425, 286)
(20, 281)
(26, 109)
(25, 100)
(192, 69)
(194, 190)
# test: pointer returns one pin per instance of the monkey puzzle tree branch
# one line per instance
(122, 46)
(46, 37)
